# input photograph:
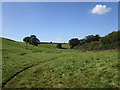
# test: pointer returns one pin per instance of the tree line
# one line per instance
(95, 42)
(90, 42)
(90, 38)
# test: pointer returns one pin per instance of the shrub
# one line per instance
(73, 42)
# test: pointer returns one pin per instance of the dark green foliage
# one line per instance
(59, 46)
(91, 38)
(91, 42)
(82, 41)
(34, 41)
(112, 38)
(26, 39)
(110, 41)
(31, 40)
(89, 46)
(73, 42)
(97, 37)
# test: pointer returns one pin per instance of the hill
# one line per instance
(110, 41)
(47, 67)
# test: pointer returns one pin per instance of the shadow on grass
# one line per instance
(62, 48)
(22, 54)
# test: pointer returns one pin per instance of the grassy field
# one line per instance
(47, 67)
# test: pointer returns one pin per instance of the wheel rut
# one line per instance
(13, 76)
(8, 80)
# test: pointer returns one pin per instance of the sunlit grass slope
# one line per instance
(57, 68)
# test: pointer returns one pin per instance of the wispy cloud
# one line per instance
(59, 39)
(100, 9)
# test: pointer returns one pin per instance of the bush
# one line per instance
(89, 46)
(73, 42)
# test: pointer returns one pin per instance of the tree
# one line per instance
(31, 40)
(97, 37)
(73, 42)
(91, 38)
(82, 41)
(27, 40)
(34, 41)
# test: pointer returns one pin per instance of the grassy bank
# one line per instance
(57, 68)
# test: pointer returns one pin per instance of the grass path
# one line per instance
(9, 79)
(13, 76)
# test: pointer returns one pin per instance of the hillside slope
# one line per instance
(110, 41)
(47, 67)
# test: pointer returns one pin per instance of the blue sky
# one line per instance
(58, 21)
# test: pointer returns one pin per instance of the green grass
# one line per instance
(57, 68)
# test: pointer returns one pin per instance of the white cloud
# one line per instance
(59, 39)
(100, 9)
